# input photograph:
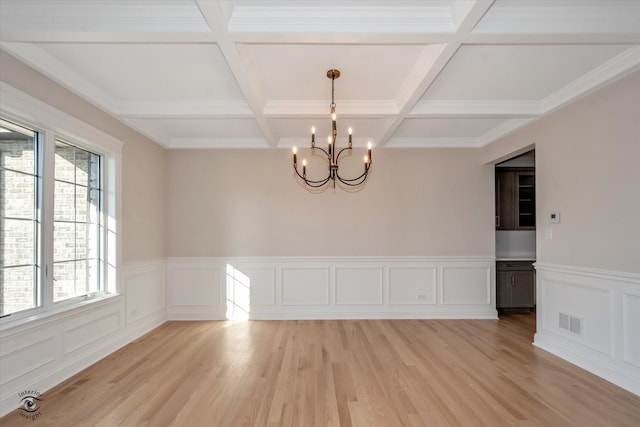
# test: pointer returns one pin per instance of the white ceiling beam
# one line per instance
(213, 13)
(320, 108)
(423, 75)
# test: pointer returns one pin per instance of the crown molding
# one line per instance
(608, 17)
(102, 16)
(345, 19)
(219, 143)
(43, 62)
(185, 109)
(504, 129)
(617, 67)
(454, 108)
(433, 142)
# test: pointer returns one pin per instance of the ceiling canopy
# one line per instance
(250, 74)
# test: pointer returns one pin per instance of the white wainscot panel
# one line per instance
(412, 285)
(261, 282)
(25, 353)
(145, 291)
(466, 285)
(90, 330)
(588, 306)
(196, 287)
(359, 286)
(631, 329)
(591, 317)
(305, 286)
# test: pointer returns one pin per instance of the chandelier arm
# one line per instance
(364, 174)
(340, 152)
(326, 153)
(362, 178)
(317, 184)
(347, 180)
(310, 181)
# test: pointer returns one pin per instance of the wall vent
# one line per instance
(570, 323)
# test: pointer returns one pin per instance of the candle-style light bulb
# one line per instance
(313, 135)
(295, 157)
(304, 168)
(329, 141)
(366, 160)
(350, 131)
(333, 117)
(369, 153)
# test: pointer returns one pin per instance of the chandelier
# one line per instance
(331, 154)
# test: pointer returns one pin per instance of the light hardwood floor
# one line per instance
(330, 373)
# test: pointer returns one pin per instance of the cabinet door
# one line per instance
(522, 288)
(503, 289)
(505, 200)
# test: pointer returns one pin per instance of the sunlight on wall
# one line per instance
(238, 294)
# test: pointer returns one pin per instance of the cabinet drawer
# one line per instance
(514, 265)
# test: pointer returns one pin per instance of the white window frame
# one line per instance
(52, 124)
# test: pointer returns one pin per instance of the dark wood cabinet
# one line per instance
(515, 199)
(515, 285)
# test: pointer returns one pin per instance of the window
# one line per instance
(76, 221)
(53, 237)
(19, 218)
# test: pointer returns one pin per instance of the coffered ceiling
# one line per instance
(249, 73)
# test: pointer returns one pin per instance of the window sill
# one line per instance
(41, 317)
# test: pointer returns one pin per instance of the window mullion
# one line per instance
(47, 215)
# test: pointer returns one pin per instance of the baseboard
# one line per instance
(63, 371)
(353, 314)
(591, 318)
(596, 366)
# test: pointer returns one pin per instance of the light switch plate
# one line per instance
(554, 217)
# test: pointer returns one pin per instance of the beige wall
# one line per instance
(428, 202)
(588, 169)
(143, 161)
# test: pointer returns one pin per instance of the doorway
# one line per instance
(515, 223)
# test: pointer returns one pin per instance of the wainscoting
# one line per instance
(592, 319)
(331, 288)
(38, 354)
